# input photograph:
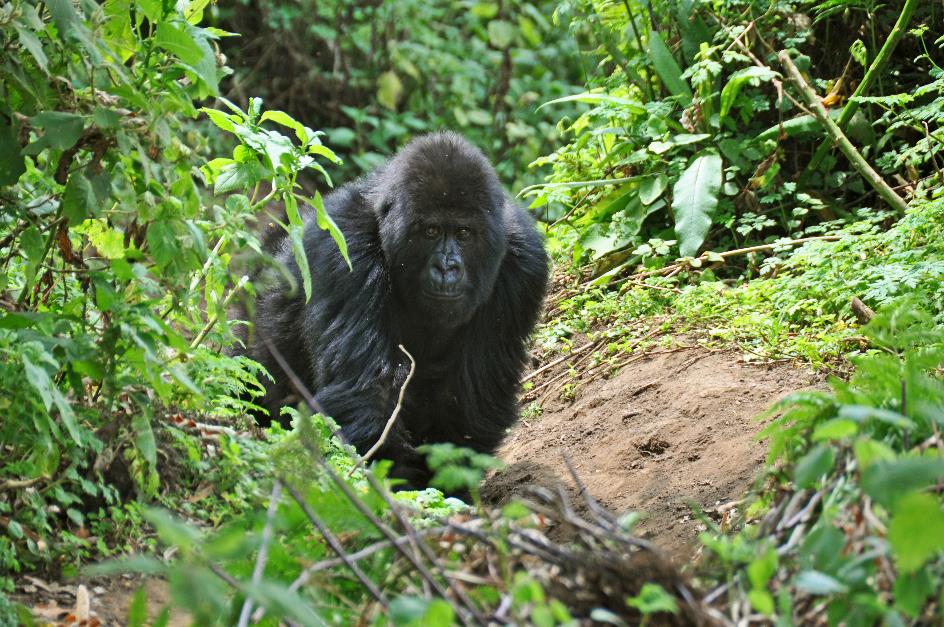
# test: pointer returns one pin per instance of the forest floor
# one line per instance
(672, 431)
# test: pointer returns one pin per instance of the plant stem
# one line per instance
(839, 138)
(870, 76)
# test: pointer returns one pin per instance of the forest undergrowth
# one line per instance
(756, 175)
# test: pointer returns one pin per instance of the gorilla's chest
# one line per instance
(433, 409)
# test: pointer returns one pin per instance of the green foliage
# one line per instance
(375, 74)
(698, 105)
(865, 446)
(116, 273)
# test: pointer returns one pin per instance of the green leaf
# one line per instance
(666, 67)
(816, 463)
(326, 222)
(280, 117)
(296, 236)
(62, 130)
(729, 94)
(835, 429)
(886, 481)
(762, 601)
(64, 15)
(869, 451)
(389, 89)
(78, 199)
(51, 395)
(144, 435)
(189, 45)
(695, 198)
(225, 121)
(501, 33)
(631, 106)
(12, 163)
(818, 583)
(137, 611)
(916, 532)
(30, 41)
(652, 599)
(651, 188)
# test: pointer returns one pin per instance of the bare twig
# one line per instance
(335, 544)
(560, 359)
(263, 556)
(393, 416)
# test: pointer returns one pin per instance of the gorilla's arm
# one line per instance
(356, 369)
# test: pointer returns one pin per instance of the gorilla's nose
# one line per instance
(446, 272)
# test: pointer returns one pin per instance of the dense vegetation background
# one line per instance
(738, 169)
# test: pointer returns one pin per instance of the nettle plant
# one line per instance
(115, 261)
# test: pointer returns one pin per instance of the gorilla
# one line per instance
(444, 263)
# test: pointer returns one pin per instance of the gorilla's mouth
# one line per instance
(443, 296)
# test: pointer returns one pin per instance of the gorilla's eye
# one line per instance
(463, 233)
(432, 231)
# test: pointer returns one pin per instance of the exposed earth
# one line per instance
(671, 429)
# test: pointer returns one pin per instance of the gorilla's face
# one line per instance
(442, 227)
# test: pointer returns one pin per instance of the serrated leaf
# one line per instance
(224, 121)
(694, 200)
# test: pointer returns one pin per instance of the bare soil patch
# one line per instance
(669, 430)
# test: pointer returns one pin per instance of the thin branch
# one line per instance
(884, 54)
(336, 545)
(839, 138)
(393, 416)
(263, 556)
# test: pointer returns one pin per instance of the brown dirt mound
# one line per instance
(670, 429)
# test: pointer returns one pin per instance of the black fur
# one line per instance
(463, 305)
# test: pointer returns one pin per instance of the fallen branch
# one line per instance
(839, 138)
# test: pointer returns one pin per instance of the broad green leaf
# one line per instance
(653, 599)
(63, 15)
(225, 121)
(886, 481)
(144, 436)
(916, 532)
(280, 117)
(61, 131)
(732, 89)
(869, 451)
(694, 200)
(12, 164)
(590, 98)
(652, 187)
(78, 199)
(30, 41)
(389, 89)
(280, 601)
(816, 463)
(667, 68)
(190, 46)
(835, 429)
(501, 33)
